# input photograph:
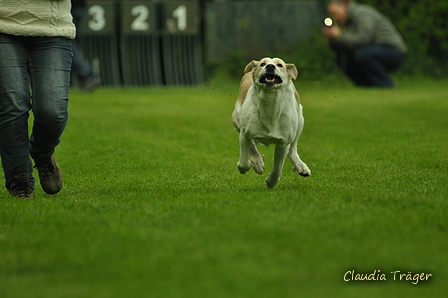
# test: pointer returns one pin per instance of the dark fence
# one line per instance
(153, 43)
(141, 43)
(259, 28)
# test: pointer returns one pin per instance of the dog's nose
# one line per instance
(270, 67)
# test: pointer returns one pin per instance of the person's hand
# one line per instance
(331, 32)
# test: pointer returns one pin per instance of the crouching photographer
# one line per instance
(368, 46)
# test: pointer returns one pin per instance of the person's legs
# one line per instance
(88, 81)
(14, 108)
(346, 62)
(49, 67)
(80, 66)
(50, 63)
(376, 62)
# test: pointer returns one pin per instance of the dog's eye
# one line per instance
(263, 64)
(279, 65)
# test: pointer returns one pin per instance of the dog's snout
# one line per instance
(270, 67)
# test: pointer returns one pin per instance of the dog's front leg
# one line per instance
(299, 166)
(279, 160)
(256, 159)
(244, 163)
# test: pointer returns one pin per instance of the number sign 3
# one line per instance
(97, 20)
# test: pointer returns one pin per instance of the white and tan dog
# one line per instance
(268, 111)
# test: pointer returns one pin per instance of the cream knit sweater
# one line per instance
(44, 18)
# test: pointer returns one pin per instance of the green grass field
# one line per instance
(153, 204)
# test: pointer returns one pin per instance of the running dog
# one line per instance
(268, 111)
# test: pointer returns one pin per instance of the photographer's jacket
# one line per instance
(367, 26)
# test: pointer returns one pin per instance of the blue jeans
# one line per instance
(47, 62)
(371, 66)
(80, 67)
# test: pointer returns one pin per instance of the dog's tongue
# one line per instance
(270, 78)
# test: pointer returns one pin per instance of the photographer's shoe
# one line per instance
(22, 188)
(50, 174)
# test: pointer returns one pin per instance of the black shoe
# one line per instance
(22, 188)
(89, 84)
(50, 174)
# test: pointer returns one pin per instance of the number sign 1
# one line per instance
(180, 13)
(181, 17)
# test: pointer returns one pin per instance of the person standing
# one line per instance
(35, 42)
(81, 68)
(368, 46)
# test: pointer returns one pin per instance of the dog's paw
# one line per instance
(272, 180)
(243, 167)
(303, 170)
(257, 163)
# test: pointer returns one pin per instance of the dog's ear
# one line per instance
(251, 66)
(292, 70)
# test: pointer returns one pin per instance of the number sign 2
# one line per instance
(141, 14)
(138, 17)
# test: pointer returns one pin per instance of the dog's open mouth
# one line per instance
(270, 79)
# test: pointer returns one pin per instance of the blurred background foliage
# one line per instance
(423, 24)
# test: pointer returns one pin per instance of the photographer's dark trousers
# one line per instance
(371, 66)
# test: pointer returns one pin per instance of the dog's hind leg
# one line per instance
(256, 158)
(279, 160)
(244, 163)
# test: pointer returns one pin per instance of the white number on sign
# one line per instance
(141, 12)
(181, 14)
(98, 20)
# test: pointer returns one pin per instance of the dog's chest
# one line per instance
(269, 133)
(271, 124)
